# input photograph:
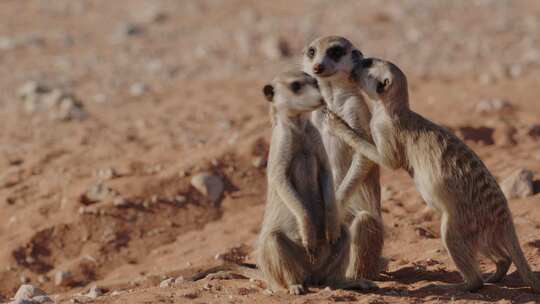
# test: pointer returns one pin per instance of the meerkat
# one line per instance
(330, 60)
(450, 177)
(302, 241)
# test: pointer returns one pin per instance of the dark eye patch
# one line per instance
(336, 52)
(311, 52)
(295, 87)
(366, 63)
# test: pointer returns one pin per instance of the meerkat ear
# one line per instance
(268, 92)
(356, 56)
(383, 85)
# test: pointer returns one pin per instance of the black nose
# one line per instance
(318, 69)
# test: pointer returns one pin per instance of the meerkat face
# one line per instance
(328, 56)
(378, 78)
(293, 93)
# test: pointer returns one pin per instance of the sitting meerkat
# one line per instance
(301, 240)
(450, 177)
(331, 59)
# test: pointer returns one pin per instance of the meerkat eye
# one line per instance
(311, 52)
(295, 87)
(336, 52)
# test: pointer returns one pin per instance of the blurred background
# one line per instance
(133, 134)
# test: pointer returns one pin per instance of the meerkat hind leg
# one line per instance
(502, 261)
(336, 268)
(284, 263)
(462, 252)
(367, 239)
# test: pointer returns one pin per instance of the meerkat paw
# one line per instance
(309, 241)
(297, 289)
(333, 230)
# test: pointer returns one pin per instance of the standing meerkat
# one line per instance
(331, 60)
(301, 240)
(450, 177)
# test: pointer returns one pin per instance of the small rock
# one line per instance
(209, 185)
(493, 106)
(31, 88)
(515, 71)
(106, 173)
(167, 283)
(27, 292)
(138, 89)
(387, 193)
(120, 202)
(423, 232)
(179, 280)
(24, 279)
(519, 184)
(130, 29)
(180, 199)
(534, 131)
(275, 48)
(43, 279)
(94, 292)
(62, 278)
(258, 162)
(42, 300)
(96, 193)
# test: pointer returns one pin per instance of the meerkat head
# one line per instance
(293, 93)
(382, 81)
(330, 55)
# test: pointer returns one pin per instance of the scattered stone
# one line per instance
(387, 193)
(275, 48)
(519, 184)
(106, 173)
(209, 185)
(62, 278)
(129, 29)
(58, 104)
(493, 106)
(96, 193)
(179, 280)
(167, 283)
(94, 292)
(120, 202)
(24, 279)
(42, 300)
(138, 89)
(424, 232)
(515, 70)
(534, 131)
(27, 292)
(258, 162)
(43, 279)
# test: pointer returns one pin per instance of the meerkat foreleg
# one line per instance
(293, 201)
(341, 129)
(333, 229)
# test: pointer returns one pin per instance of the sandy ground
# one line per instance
(164, 90)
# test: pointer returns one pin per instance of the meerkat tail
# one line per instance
(524, 270)
(244, 269)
